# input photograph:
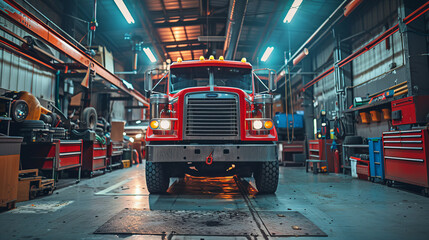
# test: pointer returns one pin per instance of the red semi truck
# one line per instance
(213, 119)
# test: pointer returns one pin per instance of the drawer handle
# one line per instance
(70, 153)
(403, 141)
(405, 159)
(100, 148)
(314, 150)
(376, 151)
(405, 136)
(317, 156)
(70, 142)
(406, 131)
(408, 148)
(99, 157)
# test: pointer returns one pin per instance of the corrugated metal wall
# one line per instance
(324, 91)
(367, 22)
(378, 17)
(19, 74)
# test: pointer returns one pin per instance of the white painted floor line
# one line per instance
(105, 191)
(123, 194)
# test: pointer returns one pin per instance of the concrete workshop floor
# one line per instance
(342, 207)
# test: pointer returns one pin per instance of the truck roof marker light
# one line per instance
(243, 60)
(179, 60)
(202, 58)
(211, 57)
(221, 58)
(293, 9)
(124, 10)
(267, 54)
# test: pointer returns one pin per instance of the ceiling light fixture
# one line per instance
(267, 54)
(292, 11)
(149, 54)
(124, 10)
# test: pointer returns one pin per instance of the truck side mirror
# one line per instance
(148, 83)
(272, 77)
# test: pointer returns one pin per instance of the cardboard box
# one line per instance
(117, 133)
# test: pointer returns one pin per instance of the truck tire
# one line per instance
(267, 177)
(89, 118)
(157, 178)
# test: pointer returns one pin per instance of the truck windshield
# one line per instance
(182, 78)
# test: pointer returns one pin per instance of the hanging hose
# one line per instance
(291, 105)
(339, 129)
(286, 108)
(99, 139)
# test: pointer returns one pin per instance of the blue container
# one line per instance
(376, 158)
(280, 120)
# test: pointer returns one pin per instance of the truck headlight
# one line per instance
(262, 124)
(257, 125)
(165, 124)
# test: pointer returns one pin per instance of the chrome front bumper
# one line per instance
(221, 152)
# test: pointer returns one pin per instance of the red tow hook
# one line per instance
(209, 159)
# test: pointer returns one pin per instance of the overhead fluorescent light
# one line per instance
(267, 54)
(124, 11)
(292, 11)
(149, 54)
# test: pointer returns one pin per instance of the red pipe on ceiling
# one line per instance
(408, 19)
(352, 5)
(300, 56)
(19, 52)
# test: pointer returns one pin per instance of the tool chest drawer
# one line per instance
(405, 156)
(70, 153)
(314, 149)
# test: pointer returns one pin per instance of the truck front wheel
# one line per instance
(157, 177)
(267, 177)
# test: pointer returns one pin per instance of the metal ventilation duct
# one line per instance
(236, 13)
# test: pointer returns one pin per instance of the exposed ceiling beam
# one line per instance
(150, 32)
(191, 41)
(234, 24)
(186, 48)
(175, 13)
(270, 25)
(194, 22)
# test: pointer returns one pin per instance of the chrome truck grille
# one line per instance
(211, 116)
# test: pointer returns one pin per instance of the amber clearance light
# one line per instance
(154, 124)
(268, 124)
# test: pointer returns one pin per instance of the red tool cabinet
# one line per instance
(94, 157)
(114, 154)
(56, 156)
(406, 155)
(320, 149)
(410, 110)
(288, 151)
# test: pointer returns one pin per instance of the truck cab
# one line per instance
(214, 119)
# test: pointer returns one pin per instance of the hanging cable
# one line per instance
(286, 108)
(291, 104)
